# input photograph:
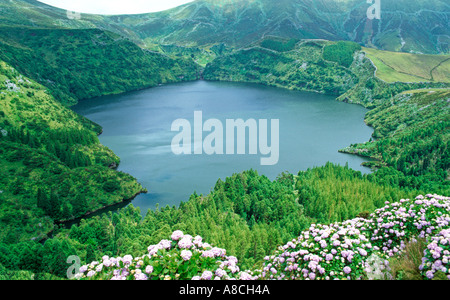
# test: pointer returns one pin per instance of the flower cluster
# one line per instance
(183, 257)
(360, 248)
(354, 249)
(398, 222)
(330, 252)
(437, 255)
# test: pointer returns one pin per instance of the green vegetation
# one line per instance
(247, 214)
(200, 55)
(204, 23)
(406, 67)
(302, 68)
(80, 64)
(54, 167)
(279, 45)
(358, 249)
(412, 135)
(406, 266)
(321, 66)
(332, 194)
(372, 92)
(341, 52)
(239, 23)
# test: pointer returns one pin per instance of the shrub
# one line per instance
(180, 258)
(111, 186)
(341, 52)
(436, 261)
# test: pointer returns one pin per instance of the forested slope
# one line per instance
(53, 167)
(78, 64)
(337, 68)
(247, 214)
(52, 164)
(412, 134)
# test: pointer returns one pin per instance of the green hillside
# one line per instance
(32, 13)
(302, 68)
(53, 168)
(406, 26)
(78, 64)
(409, 26)
(412, 134)
(338, 68)
(406, 67)
(52, 164)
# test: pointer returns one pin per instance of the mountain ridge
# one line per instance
(409, 26)
(404, 26)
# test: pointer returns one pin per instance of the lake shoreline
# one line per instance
(74, 221)
(99, 210)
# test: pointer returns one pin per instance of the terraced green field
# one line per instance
(407, 67)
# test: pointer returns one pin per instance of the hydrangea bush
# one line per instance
(183, 257)
(352, 250)
(348, 250)
(396, 223)
(336, 251)
(437, 256)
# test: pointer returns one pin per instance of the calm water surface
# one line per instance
(137, 127)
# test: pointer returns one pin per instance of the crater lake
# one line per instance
(137, 127)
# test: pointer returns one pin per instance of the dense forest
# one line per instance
(54, 167)
(77, 64)
(58, 172)
(247, 214)
(335, 68)
(412, 135)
